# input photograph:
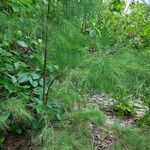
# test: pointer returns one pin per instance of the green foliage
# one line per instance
(92, 47)
(2, 139)
(54, 110)
(86, 115)
(3, 120)
(132, 139)
(125, 105)
(64, 140)
(145, 120)
(16, 107)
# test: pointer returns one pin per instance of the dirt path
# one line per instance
(103, 137)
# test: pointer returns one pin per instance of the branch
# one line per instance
(45, 55)
(49, 86)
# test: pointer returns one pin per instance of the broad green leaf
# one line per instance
(41, 82)
(11, 88)
(30, 80)
(15, 8)
(33, 83)
(38, 90)
(19, 33)
(17, 64)
(23, 65)
(35, 75)
(39, 108)
(9, 67)
(22, 77)
(40, 40)
(9, 85)
(45, 2)
(22, 43)
(14, 79)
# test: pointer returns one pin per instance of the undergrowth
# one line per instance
(91, 47)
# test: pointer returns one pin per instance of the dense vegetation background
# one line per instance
(54, 54)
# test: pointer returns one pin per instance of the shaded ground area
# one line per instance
(17, 142)
(103, 137)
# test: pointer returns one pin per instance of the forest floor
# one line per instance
(103, 137)
(18, 142)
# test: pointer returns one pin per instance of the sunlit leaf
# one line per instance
(22, 43)
(14, 79)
